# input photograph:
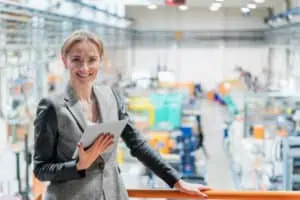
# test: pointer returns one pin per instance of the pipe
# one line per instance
(18, 176)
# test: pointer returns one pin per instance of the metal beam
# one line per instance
(95, 8)
(48, 15)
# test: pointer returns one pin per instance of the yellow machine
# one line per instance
(161, 141)
(142, 104)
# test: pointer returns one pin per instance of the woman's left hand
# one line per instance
(192, 189)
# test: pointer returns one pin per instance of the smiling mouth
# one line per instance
(83, 76)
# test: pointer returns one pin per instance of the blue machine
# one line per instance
(187, 145)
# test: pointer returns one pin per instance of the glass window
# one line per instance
(121, 10)
(112, 10)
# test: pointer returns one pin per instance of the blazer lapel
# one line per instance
(108, 111)
(107, 104)
(73, 105)
(102, 106)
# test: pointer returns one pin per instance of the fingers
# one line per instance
(100, 139)
(106, 139)
(108, 144)
(198, 193)
(105, 142)
(203, 195)
(81, 154)
(203, 188)
(192, 189)
(80, 148)
(109, 140)
(195, 191)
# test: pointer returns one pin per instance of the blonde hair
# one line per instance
(79, 36)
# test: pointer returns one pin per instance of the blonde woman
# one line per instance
(60, 122)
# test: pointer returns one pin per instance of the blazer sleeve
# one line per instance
(45, 139)
(140, 148)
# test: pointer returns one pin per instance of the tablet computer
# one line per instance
(92, 132)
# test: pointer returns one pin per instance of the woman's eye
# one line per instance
(76, 60)
(93, 60)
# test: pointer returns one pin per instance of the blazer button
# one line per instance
(101, 166)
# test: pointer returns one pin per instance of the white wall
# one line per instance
(281, 7)
(283, 69)
(196, 18)
(208, 66)
(279, 63)
(295, 3)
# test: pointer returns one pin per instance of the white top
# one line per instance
(92, 123)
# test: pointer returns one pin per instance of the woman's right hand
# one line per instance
(87, 157)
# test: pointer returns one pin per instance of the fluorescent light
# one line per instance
(216, 4)
(152, 6)
(183, 7)
(252, 6)
(245, 10)
(259, 1)
(214, 8)
(219, 0)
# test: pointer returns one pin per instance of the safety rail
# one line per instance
(214, 195)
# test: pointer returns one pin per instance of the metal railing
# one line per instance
(215, 195)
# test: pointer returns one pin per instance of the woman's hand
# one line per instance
(192, 189)
(87, 157)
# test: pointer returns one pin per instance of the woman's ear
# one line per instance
(63, 58)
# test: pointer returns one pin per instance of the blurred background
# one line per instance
(211, 84)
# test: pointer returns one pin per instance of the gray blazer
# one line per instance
(59, 125)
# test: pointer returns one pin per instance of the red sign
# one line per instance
(174, 2)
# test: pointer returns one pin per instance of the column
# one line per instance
(279, 7)
(269, 72)
(39, 56)
(295, 3)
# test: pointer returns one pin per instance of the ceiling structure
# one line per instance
(232, 3)
(201, 3)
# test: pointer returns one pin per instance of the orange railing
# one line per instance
(213, 195)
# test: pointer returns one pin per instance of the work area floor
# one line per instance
(213, 117)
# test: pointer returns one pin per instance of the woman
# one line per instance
(61, 120)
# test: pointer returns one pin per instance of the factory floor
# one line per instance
(213, 118)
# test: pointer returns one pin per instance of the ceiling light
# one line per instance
(245, 10)
(152, 6)
(183, 7)
(259, 1)
(252, 6)
(219, 0)
(216, 5)
(214, 8)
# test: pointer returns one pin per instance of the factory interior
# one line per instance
(211, 85)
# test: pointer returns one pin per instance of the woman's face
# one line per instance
(83, 62)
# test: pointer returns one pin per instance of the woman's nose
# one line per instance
(84, 67)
